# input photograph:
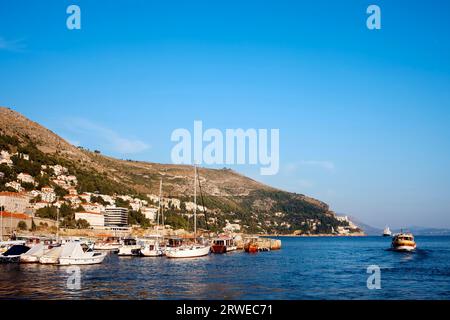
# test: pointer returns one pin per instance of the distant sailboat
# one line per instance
(387, 232)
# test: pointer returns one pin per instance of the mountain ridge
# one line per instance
(226, 192)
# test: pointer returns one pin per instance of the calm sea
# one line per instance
(306, 268)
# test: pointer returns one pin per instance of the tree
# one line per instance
(83, 224)
(22, 225)
(47, 213)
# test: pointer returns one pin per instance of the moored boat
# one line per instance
(12, 255)
(403, 242)
(34, 254)
(108, 244)
(130, 247)
(73, 254)
(52, 256)
(223, 245)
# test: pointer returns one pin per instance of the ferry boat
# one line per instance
(387, 232)
(223, 245)
(403, 242)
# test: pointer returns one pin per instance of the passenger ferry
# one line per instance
(403, 242)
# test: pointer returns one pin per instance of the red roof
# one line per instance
(14, 215)
(11, 194)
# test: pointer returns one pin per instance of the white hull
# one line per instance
(188, 252)
(107, 247)
(128, 250)
(29, 259)
(152, 253)
(82, 261)
(405, 248)
(48, 260)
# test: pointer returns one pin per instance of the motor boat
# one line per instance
(188, 251)
(130, 247)
(34, 254)
(12, 255)
(151, 248)
(387, 232)
(52, 256)
(73, 254)
(108, 244)
(403, 242)
(223, 245)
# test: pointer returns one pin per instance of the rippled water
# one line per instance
(306, 268)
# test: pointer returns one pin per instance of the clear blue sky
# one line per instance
(363, 115)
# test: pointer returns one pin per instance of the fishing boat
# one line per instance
(387, 232)
(52, 256)
(191, 250)
(108, 244)
(223, 245)
(151, 247)
(12, 255)
(130, 247)
(73, 254)
(403, 242)
(34, 254)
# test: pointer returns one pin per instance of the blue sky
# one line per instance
(363, 115)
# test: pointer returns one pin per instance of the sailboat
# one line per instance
(152, 247)
(196, 249)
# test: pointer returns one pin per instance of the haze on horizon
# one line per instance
(363, 115)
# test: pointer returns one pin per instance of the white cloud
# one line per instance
(106, 137)
(12, 45)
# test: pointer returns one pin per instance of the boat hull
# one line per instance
(48, 260)
(129, 251)
(82, 261)
(188, 252)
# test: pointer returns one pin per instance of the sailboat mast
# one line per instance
(195, 202)
(159, 204)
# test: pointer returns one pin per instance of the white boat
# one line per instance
(151, 248)
(188, 251)
(387, 232)
(130, 247)
(109, 244)
(34, 254)
(52, 256)
(12, 255)
(73, 254)
(191, 250)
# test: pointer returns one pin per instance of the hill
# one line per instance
(227, 194)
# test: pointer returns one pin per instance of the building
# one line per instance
(25, 177)
(115, 216)
(150, 213)
(13, 201)
(14, 185)
(9, 222)
(95, 220)
(5, 158)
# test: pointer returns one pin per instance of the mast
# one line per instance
(159, 204)
(195, 203)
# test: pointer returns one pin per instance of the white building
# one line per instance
(93, 207)
(13, 202)
(59, 170)
(5, 158)
(95, 219)
(15, 185)
(150, 213)
(25, 177)
(115, 216)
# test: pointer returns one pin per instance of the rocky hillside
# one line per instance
(227, 194)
